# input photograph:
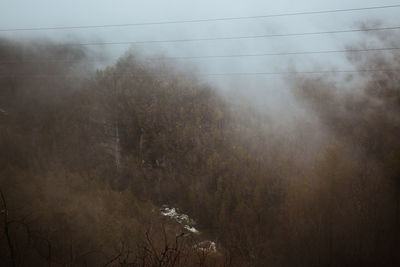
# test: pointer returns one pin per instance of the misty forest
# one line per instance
(138, 163)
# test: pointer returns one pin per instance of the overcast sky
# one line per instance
(52, 13)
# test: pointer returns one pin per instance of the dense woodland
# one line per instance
(88, 156)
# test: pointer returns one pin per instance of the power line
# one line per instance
(221, 56)
(283, 53)
(239, 37)
(298, 72)
(219, 74)
(201, 20)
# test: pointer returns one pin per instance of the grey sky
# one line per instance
(51, 13)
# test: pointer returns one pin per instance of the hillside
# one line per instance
(89, 158)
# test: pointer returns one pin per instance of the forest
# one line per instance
(93, 159)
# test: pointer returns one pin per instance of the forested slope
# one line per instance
(88, 157)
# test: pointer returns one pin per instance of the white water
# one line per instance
(187, 223)
(182, 219)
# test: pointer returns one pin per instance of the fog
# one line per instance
(77, 13)
(266, 90)
(280, 159)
